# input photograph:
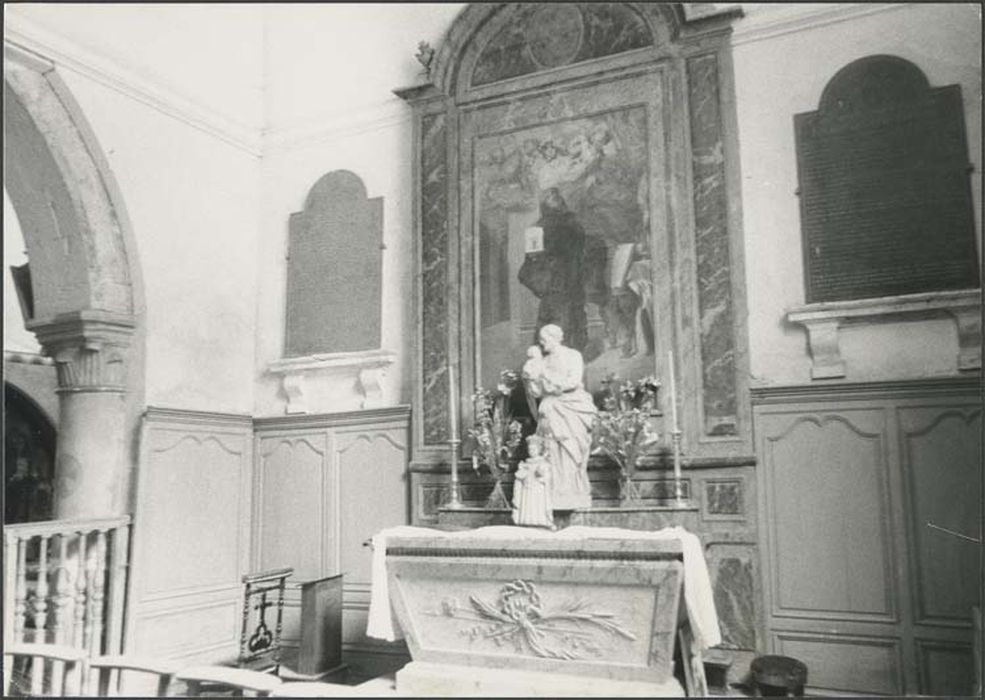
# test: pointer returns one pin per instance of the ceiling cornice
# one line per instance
(27, 35)
(756, 26)
(386, 114)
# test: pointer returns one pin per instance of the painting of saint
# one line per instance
(579, 188)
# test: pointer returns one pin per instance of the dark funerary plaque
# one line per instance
(334, 269)
(321, 626)
(885, 198)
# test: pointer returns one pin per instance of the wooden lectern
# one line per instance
(320, 650)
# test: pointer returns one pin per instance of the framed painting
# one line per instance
(563, 233)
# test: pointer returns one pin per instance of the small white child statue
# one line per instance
(532, 372)
(532, 488)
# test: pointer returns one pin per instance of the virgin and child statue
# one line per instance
(565, 416)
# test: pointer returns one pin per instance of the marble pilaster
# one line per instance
(434, 277)
(713, 258)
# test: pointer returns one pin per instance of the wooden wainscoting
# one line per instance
(322, 486)
(859, 583)
(191, 535)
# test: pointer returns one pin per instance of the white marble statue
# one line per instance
(532, 488)
(565, 416)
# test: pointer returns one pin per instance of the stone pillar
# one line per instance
(90, 351)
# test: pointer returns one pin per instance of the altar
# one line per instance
(583, 611)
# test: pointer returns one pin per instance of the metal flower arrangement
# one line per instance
(623, 431)
(496, 435)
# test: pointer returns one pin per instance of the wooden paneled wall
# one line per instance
(191, 536)
(323, 485)
(860, 583)
(219, 496)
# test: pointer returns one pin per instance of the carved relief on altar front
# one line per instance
(568, 629)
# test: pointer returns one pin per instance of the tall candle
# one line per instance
(673, 389)
(452, 402)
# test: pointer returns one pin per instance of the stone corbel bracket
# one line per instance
(823, 322)
(369, 366)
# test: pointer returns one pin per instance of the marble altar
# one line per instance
(583, 611)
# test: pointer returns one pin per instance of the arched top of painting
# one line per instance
(550, 35)
(873, 83)
(517, 39)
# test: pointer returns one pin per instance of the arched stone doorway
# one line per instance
(86, 286)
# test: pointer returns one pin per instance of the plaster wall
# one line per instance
(204, 54)
(331, 107)
(210, 217)
(784, 56)
(175, 127)
(191, 200)
(329, 61)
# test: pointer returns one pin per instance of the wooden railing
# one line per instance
(64, 583)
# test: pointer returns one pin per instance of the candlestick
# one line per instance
(678, 481)
(455, 499)
(675, 434)
(673, 391)
(452, 403)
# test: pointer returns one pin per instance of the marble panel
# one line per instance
(432, 496)
(605, 488)
(723, 497)
(733, 582)
(434, 278)
(596, 609)
(713, 259)
(646, 518)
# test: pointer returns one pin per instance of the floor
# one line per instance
(373, 675)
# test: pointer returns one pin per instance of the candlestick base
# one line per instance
(454, 498)
(455, 495)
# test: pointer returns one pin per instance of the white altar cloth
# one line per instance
(698, 597)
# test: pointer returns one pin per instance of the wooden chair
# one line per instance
(259, 645)
(779, 675)
(109, 670)
(42, 669)
(262, 684)
(312, 689)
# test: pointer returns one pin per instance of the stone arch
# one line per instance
(86, 284)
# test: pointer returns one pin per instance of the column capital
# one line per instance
(89, 348)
